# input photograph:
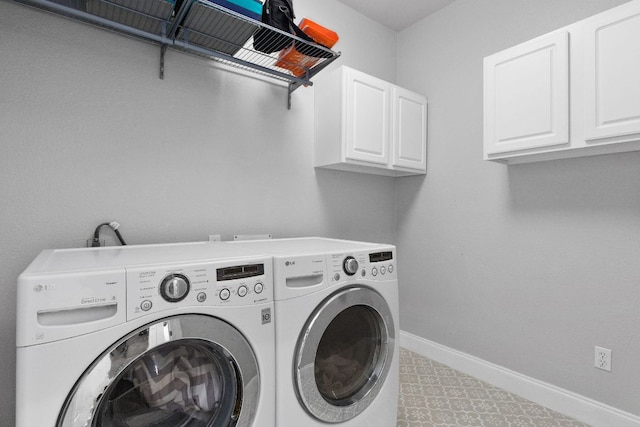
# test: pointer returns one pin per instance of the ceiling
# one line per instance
(396, 14)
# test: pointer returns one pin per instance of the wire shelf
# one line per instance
(204, 28)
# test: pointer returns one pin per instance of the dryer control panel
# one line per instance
(378, 266)
(232, 283)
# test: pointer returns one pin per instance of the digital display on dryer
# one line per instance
(381, 256)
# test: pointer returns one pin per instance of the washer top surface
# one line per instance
(304, 246)
(83, 259)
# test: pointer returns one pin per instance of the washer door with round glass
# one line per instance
(182, 371)
(344, 354)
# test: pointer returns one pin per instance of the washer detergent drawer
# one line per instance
(300, 275)
(57, 306)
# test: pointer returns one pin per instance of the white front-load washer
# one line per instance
(337, 343)
(153, 335)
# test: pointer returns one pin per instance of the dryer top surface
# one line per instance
(305, 246)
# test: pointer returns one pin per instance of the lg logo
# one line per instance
(288, 263)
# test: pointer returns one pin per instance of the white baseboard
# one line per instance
(566, 402)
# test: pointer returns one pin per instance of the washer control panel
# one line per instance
(379, 266)
(155, 288)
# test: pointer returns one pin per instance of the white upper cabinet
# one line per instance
(526, 95)
(612, 74)
(367, 118)
(365, 124)
(409, 140)
(574, 92)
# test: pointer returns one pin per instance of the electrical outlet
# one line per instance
(603, 359)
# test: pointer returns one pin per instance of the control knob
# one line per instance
(350, 265)
(174, 287)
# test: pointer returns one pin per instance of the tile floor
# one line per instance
(434, 395)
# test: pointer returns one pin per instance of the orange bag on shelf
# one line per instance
(298, 63)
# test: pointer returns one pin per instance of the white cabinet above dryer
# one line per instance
(526, 99)
(365, 124)
(573, 92)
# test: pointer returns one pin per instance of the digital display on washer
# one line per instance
(240, 272)
(381, 256)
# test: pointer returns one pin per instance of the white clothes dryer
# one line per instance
(154, 335)
(337, 342)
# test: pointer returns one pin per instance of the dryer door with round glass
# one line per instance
(344, 354)
(187, 371)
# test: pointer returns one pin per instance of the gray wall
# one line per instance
(88, 133)
(526, 266)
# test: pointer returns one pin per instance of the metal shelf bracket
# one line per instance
(163, 50)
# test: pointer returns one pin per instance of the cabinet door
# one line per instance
(367, 118)
(612, 73)
(526, 95)
(409, 129)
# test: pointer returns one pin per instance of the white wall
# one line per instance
(89, 133)
(526, 266)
